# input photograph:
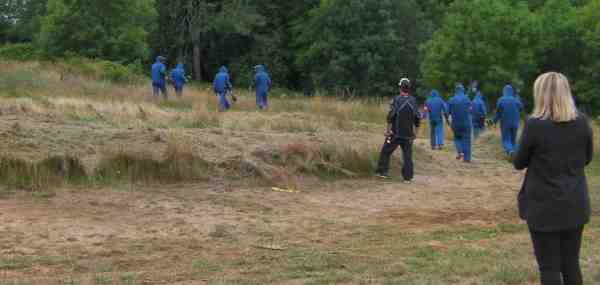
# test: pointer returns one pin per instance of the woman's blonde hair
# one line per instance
(553, 99)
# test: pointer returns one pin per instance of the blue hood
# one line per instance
(159, 58)
(460, 90)
(259, 68)
(508, 91)
(223, 69)
(179, 66)
(434, 94)
(478, 96)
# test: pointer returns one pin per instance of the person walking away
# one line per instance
(555, 146)
(479, 115)
(459, 109)
(222, 86)
(178, 79)
(403, 119)
(436, 108)
(262, 84)
(159, 74)
(508, 112)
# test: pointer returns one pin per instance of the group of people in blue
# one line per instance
(221, 84)
(467, 118)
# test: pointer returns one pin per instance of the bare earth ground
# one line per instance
(456, 224)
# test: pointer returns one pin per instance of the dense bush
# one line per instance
(361, 47)
(101, 69)
(503, 41)
(21, 52)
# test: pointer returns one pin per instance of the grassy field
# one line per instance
(102, 184)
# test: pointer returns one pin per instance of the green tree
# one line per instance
(486, 40)
(587, 85)
(115, 30)
(361, 46)
(206, 33)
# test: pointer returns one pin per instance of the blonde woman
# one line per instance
(555, 147)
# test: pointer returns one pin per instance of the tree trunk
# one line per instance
(197, 54)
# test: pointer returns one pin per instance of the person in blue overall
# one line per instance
(158, 74)
(222, 86)
(479, 115)
(508, 112)
(178, 79)
(436, 109)
(459, 109)
(262, 84)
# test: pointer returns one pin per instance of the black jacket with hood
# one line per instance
(404, 116)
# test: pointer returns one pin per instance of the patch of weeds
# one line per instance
(205, 266)
(332, 277)
(509, 274)
(103, 279)
(15, 282)
(346, 161)
(200, 122)
(69, 281)
(235, 282)
(293, 126)
(51, 172)
(82, 117)
(11, 264)
(127, 279)
(178, 105)
(42, 195)
(512, 228)
(470, 234)
(103, 268)
(178, 164)
(16, 83)
(468, 262)
(306, 263)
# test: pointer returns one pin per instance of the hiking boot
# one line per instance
(406, 181)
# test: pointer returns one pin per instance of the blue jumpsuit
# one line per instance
(158, 73)
(459, 108)
(222, 85)
(479, 115)
(508, 112)
(436, 108)
(262, 83)
(178, 78)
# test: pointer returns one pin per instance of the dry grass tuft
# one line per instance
(51, 172)
(177, 164)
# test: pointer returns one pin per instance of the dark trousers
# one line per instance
(557, 254)
(386, 152)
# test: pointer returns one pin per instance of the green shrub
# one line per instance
(115, 72)
(100, 69)
(13, 82)
(20, 52)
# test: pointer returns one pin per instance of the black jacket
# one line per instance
(404, 117)
(555, 195)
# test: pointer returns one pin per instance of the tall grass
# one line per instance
(50, 172)
(177, 164)
(324, 160)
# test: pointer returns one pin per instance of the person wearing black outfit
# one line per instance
(555, 147)
(402, 120)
